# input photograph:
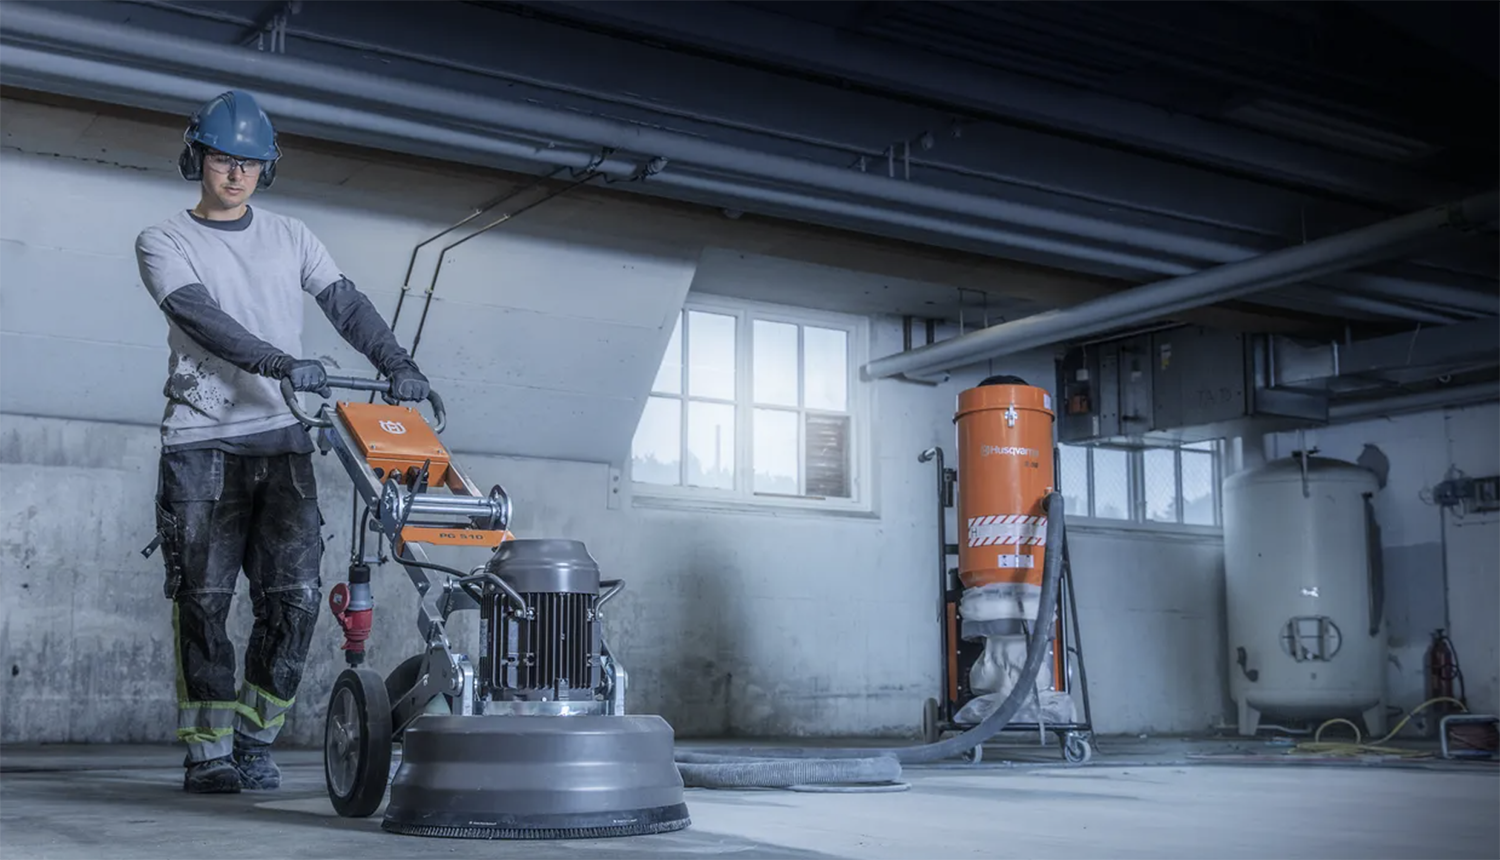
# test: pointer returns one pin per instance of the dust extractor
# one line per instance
(1005, 607)
(530, 741)
(1007, 468)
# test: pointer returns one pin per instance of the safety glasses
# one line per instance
(218, 162)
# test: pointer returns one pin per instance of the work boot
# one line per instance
(256, 769)
(215, 776)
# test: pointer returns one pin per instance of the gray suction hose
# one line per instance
(858, 768)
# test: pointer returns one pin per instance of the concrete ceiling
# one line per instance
(1127, 141)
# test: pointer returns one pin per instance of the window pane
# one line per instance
(1160, 478)
(1197, 488)
(1111, 484)
(775, 452)
(775, 348)
(825, 368)
(828, 456)
(1073, 477)
(669, 375)
(656, 452)
(710, 445)
(711, 355)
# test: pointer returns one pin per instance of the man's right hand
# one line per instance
(305, 374)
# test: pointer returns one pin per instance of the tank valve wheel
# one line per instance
(1076, 748)
(974, 755)
(357, 743)
(930, 731)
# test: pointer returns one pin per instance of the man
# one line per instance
(236, 487)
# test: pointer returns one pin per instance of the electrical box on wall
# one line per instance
(1180, 385)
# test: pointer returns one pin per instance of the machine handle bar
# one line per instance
(355, 383)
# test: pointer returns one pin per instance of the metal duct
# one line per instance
(1143, 304)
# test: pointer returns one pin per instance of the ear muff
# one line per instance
(267, 175)
(190, 163)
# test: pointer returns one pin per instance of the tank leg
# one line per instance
(1375, 720)
(1249, 720)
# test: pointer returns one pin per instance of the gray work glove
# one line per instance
(305, 374)
(407, 383)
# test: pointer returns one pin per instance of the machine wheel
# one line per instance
(1076, 748)
(930, 730)
(975, 755)
(357, 743)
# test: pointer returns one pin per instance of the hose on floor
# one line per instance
(879, 768)
(1357, 747)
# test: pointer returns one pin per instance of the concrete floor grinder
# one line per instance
(534, 741)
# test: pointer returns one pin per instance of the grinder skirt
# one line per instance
(536, 777)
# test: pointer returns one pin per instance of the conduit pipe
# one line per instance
(394, 97)
(150, 88)
(1437, 298)
(404, 110)
(1436, 398)
(57, 73)
(1232, 280)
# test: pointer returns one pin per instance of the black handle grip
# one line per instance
(355, 383)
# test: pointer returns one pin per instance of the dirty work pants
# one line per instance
(218, 513)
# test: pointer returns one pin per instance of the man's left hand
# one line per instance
(408, 383)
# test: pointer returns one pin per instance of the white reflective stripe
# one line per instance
(1006, 518)
(1029, 533)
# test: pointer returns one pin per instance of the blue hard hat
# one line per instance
(231, 123)
(234, 124)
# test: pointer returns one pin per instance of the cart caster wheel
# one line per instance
(930, 730)
(1076, 749)
(974, 755)
(357, 743)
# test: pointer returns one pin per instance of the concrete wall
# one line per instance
(1442, 569)
(742, 623)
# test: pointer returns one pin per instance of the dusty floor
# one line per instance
(1137, 798)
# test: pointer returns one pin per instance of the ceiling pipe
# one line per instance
(396, 97)
(1420, 401)
(410, 107)
(56, 72)
(27, 67)
(1435, 296)
(1232, 280)
(255, 69)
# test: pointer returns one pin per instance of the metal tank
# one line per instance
(1304, 593)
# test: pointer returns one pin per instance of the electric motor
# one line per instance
(551, 654)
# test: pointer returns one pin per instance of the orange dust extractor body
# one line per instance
(1005, 471)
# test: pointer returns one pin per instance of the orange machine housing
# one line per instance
(1005, 472)
(395, 439)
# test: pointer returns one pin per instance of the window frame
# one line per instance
(1138, 520)
(742, 497)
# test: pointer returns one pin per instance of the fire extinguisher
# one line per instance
(1442, 668)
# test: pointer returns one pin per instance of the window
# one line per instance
(1169, 486)
(755, 403)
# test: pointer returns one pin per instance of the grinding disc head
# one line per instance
(536, 777)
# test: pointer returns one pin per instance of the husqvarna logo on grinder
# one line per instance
(1006, 450)
(395, 428)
